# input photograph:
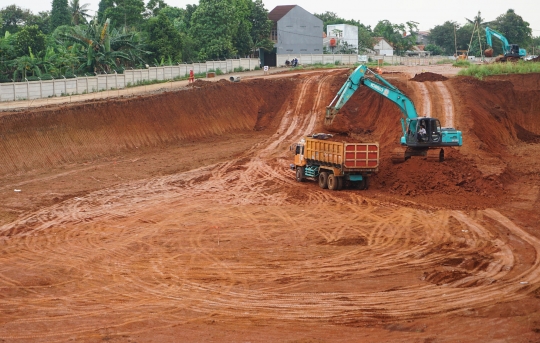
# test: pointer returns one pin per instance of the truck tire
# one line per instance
(362, 185)
(323, 180)
(333, 182)
(340, 183)
(300, 174)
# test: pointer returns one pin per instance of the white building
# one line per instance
(342, 33)
(382, 47)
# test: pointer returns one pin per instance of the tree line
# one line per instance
(67, 41)
(123, 34)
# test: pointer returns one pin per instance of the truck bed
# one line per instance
(346, 155)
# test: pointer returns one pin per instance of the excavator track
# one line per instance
(435, 155)
(399, 155)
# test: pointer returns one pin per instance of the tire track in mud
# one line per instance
(236, 241)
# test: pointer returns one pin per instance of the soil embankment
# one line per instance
(52, 137)
(192, 227)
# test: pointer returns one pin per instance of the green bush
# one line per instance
(461, 63)
(481, 71)
(238, 69)
(445, 61)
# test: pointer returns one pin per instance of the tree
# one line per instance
(59, 14)
(79, 13)
(164, 41)
(443, 36)
(534, 46)
(261, 27)
(242, 41)
(434, 49)
(155, 6)
(29, 38)
(514, 28)
(396, 34)
(214, 25)
(127, 13)
(102, 7)
(104, 48)
(12, 18)
(25, 64)
(42, 20)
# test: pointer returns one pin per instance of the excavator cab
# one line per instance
(423, 131)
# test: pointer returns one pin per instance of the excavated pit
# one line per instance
(176, 215)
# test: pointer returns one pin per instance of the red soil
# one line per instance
(428, 76)
(175, 217)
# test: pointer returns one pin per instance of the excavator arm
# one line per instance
(386, 89)
(410, 123)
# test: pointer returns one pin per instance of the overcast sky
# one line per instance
(427, 13)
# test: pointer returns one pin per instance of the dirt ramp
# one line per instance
(70, 134)
(498, 112)
(428, 76)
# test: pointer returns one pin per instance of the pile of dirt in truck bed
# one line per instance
(428, 76)
(47, 138)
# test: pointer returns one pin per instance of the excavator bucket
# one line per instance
(488, 52)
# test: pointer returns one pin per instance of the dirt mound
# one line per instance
(439, 184)
(428, 76)
(45, 138)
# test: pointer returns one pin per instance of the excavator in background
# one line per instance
(511, 52)
(422, 136)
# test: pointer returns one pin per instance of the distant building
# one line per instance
(296, 31)
(382, 47)
(422, 38)
(341, 35)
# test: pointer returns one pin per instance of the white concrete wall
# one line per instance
(318, 58)
(43, 89)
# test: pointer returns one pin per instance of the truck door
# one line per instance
(299, 155)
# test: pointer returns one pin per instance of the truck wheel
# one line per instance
(340, 183)
(362, 184)
(323, 180)
(300, 174)
(333, 182)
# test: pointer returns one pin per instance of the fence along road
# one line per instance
(32, 90)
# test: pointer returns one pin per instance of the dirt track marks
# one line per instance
(436, 101)
(241, 240)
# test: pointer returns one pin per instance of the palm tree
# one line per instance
(103, 48)
(78, 13)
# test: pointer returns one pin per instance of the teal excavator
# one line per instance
(422, 136)
(511, 52)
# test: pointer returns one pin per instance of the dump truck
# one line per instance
(335, 165)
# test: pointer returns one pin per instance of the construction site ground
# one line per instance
(173, 216)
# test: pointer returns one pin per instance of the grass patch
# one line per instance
(462, 64)
(445, 61)
(481, 71)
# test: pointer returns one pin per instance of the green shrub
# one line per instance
(461, 63)
(481, 71)
(445, 61)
